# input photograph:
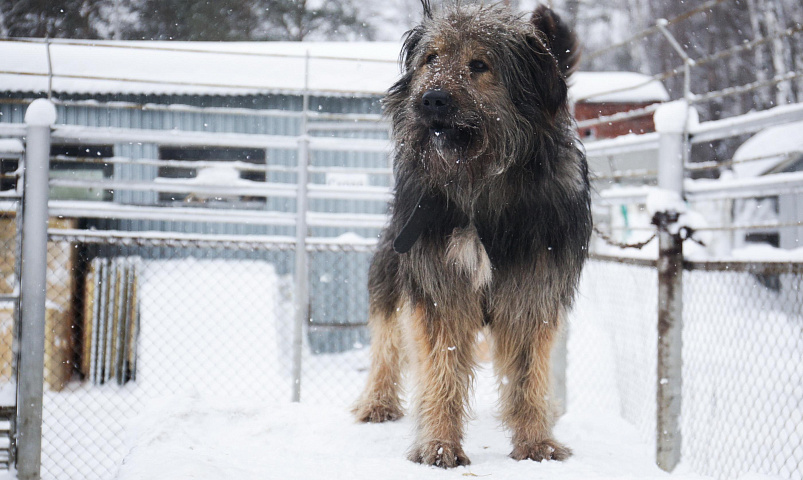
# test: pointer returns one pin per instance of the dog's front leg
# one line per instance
(522, 349)
(442, 343)
(380, 401)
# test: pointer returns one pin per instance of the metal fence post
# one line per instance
(302, 277)
(301, 287)
(559, 364)
(39, 117)
(671, 122)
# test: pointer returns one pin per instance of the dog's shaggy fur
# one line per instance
(489, 226)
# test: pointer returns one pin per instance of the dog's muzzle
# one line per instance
(437, 109)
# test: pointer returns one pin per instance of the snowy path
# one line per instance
(217, 439)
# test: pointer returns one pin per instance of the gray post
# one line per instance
(301, 286)
(671, 123)
(670, 324)
(559, 364)
(40, 116)
(301, 289)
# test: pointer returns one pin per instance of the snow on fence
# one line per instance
(269, 310)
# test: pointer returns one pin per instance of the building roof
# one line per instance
(243, 68)
(768, 149)
(201, 68)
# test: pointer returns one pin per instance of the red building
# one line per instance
(599, 94)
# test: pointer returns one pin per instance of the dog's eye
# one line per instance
(431, 58)
(478, 66)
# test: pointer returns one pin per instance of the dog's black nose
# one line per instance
(436, 102)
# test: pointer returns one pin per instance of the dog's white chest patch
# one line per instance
(467, 253)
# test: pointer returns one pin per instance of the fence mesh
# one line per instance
(9, 299)
(612, 344)
(742, 404)
(9, 249)
(337, 332)
(132, 322)
(742, 371)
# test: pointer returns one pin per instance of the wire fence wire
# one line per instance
(742, 369)
(135, 321)
(8, 290)
(612, 345)
(129, 322)
(742, 397)
(10, 208)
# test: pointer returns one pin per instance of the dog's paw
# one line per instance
(439, 454)
(376, 411)
(545, 450)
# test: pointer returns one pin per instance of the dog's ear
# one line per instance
(559, 38)
(409, 44)
(427, 9)
(398, 93)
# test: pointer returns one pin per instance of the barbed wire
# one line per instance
(748, 45)
(707, 59)
(749, 87)
(655, 29)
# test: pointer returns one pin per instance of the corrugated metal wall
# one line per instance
(334, 277)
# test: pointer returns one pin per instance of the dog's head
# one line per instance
(480, 87)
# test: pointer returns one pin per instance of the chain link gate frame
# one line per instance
(11, 181)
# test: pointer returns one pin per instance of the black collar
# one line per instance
(418, 221)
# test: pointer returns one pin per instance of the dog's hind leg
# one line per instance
(522, 349)
(380, 401)
(443, 353)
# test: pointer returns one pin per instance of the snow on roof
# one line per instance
(771, 145)
(616, 87)
(212, 68)
(242, 68)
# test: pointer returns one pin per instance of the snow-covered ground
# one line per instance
(208, 438)
(213, 382)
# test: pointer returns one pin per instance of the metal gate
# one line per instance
(11, 155)
(272, 306)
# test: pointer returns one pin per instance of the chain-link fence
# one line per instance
(742, 396)
(10, 205)
(8, 292)
(132, 320)
(743, 369)
(612, 343)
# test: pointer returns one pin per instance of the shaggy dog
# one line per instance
(489, 226)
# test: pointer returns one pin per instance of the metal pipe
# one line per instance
(301, 277)
(301, 291)
(669, 362)
(40, 116)
(671, 123)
